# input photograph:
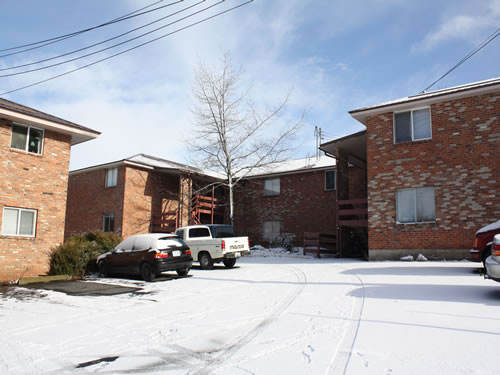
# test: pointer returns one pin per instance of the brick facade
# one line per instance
(36, 182)
(139, 194)
(461, 162)
(303, 205)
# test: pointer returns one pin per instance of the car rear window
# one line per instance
(224, 232)
(168, 243)
(199, 232)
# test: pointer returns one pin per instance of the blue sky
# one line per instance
(337, 56)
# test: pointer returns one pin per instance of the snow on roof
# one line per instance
(492, 226)
(432, 94)
(294, 166)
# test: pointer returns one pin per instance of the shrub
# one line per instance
(285, 241)
(77, 256)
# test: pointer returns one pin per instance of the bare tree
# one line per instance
(230, 135)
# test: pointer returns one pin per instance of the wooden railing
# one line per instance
(165, 222)
(352, 213)
(202, 204)
(320, 243)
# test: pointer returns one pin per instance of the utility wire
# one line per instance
(96, 44)
(466, 57)
(129, 49)
(73, 34)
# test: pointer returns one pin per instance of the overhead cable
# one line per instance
(465, 58)
(96, 44)
(129, 49)
(73, 34)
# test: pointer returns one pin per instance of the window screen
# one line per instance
(111, 177)
(329, 180)
(18, 222)
(415, 205)
(27, 138)
(272, 186)
(412, 125)
(271, 230)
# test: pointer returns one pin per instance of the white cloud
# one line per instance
(471, 27)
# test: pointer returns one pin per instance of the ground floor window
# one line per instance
(18, 222)
(271, 230)
(108, 222)
(415, 205)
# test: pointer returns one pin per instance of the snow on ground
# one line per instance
(278, 314)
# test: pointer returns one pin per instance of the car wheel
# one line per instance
(229, 262)
(147, 272)
(183, 271)
(486, 254)
(206, 262)
(103, 269)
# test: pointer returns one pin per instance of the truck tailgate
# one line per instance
(236, 244)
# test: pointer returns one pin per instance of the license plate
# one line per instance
(176, 253)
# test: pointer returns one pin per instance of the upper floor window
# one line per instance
(330, 180)
(18, 222)
(111, 177)
(412, 125)
(272, 186)
(27, 138)
(415, 205)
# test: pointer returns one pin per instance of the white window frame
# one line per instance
(415, 200)
(273, 223)
(27, 138)
(104, 217)
(18, 224)
(335, 179)
(272, 193)
(411, 125)
(114, 177)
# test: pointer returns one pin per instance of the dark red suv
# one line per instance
(482, 242)
(147, 255)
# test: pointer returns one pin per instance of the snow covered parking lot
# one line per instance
(270, 315)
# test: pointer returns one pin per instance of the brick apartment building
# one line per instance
(433, 169)
(290, 198)
(35, 151)
(139, 194)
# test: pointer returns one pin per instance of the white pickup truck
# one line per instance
(214, 243)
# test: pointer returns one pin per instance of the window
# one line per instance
(18, 222)
(27, 138)
(199, 232)
(272, 187)
(108, 222)
(412, 125)
(111, 177)
(271, 230)
(330, 180)
(415, 205)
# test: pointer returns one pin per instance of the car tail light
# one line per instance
(188, 252)
(249, 243)
(495, 249)
(475, 243)
(161, 255)
(223, 245)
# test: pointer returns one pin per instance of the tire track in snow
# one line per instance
(223, 354)
(340, 360)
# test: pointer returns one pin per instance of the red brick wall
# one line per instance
(461, 161)
(89, 199)
(147, 193)
(302, 206)
(36, 182)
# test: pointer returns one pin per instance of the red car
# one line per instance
(483, 241)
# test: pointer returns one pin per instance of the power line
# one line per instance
(76, 33)
(99, 43)
(129, 49)
(466, 57)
